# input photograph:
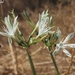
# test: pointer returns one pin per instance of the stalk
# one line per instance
(54, 62)
(31, 62)
(13, 59)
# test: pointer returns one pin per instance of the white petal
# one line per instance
(15, 25)
(67, 52)
(70, 45)
(51, 19)
(56, 50)
(3, 33)
(7, 23)
(15, 28)
(58, 34)
(69, 37)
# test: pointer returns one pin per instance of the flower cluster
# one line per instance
(42, 24)
(43, 30)
(63, 44)
(10, 28)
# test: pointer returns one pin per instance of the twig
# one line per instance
(70, 65)
(2, 13)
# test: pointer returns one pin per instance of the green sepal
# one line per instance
(54, 38)
(33, 41)
(47, 41)
(50, 21)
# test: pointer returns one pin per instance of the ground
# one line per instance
(63, 13)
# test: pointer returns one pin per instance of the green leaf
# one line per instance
(28, 18)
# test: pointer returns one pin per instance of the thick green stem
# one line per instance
(31, 62)
(54, 62)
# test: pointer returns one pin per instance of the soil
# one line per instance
(63, 13)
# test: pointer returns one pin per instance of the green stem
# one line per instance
(31, 62)
(54, 62)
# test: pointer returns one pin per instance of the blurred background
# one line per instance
(63, 13)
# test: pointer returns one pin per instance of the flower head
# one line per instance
(63, 45)
(10, 28)
(42, 24)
